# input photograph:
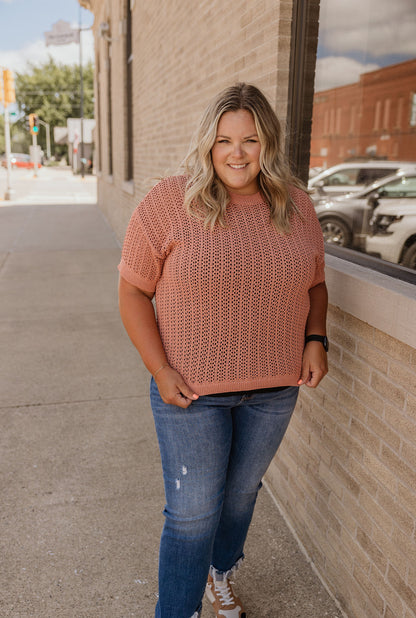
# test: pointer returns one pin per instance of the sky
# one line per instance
(22, 27)
(359, 36)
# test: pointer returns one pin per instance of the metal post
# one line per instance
(35, 155)
(9, 191)
(81, 98)
(48, 138)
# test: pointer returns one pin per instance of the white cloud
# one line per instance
(334, 71)
(38, 53)
(375, 27)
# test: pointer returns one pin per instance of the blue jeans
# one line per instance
(214, 455)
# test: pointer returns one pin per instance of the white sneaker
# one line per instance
(223, 599)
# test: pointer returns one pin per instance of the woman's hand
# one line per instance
(314, 364)
(173, 389)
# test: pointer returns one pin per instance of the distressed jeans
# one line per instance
(214, 454)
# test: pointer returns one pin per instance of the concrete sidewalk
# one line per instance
(81, 486)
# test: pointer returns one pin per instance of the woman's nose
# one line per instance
(237, 150)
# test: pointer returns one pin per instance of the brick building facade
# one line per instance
(373, 117)
(345, 475)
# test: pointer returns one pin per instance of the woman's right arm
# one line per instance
(138, 316)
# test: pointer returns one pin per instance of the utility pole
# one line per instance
(48, 137)
(81, 79)
(34, 130)
(8, 97)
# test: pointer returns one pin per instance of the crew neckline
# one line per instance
(242, 200)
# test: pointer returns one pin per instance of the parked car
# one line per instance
(350, 177)
(345, 220)
(393, 233)
(18, 159)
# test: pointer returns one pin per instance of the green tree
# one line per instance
(53, 92)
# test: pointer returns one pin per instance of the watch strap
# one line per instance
(322, 338)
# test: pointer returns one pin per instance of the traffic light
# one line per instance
(33, 124)
(8, 83)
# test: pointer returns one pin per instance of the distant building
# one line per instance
(375, 117)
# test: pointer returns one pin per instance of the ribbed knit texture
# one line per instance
(231, 303)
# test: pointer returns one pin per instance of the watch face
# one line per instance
(325, 343)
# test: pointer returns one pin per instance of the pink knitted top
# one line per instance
(231, 303)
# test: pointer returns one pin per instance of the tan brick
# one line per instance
(392, 549)
(372, 550)
(404, 472)
(369, 589)
(394, 348)
(356, 367)
(342, 514)
(368, 396)
(336, 315)
(411, 406)
(342, 338)
(408, 453)
(369, 440)
(386, 388)
(330, 386)
(379, 516)
(360, 557)
(403, 376)
(384, 431)
(395, 510)
(363, 477)
(334, 355)
(407, 498)
(342, 376)
(348, 482)
(380, 471)
(354, 448)
(330, 480)
(404, 591)
(386, 591)
(361, 517)
(407, 546)
(357, 328)
(373, 356)
(402, 421)
(355, 406)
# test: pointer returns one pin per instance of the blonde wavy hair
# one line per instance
(206, 196)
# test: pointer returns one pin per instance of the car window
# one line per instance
(344, 177)
(403, 187)
(369, 175)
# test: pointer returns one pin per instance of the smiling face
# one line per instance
(236, 152)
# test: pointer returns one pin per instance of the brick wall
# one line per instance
(345, 475)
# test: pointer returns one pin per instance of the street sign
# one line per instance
(62, 34)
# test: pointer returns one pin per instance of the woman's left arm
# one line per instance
(315, 362)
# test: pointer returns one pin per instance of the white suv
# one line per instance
(393, 232)
(350, 177)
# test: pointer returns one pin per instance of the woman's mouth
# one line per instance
(240, 166)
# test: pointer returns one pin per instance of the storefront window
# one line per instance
(364, 123)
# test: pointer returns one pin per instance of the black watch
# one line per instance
(322, 338)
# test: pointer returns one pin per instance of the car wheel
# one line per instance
(336, 232)
(409, 257)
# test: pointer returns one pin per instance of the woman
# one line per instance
(234, 253)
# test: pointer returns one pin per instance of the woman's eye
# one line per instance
(222, 141)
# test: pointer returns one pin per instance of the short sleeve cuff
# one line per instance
(136, 279)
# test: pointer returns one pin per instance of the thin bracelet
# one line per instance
(160, 369)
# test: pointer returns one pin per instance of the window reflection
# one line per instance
(364, 122)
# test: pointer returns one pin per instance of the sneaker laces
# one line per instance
(224, 592)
